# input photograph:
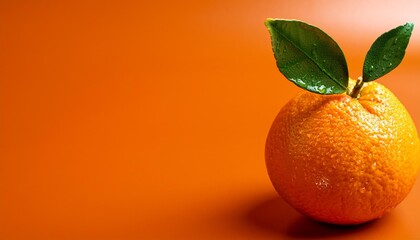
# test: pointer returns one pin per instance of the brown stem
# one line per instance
(356, 90)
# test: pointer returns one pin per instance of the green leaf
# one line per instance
(387, 52)
(308, 57)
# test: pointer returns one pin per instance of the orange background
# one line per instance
(135, 120)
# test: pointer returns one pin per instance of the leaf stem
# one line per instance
(356, 90)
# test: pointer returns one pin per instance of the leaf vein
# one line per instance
(310, 57)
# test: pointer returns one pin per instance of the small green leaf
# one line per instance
(387, 52)
(308, 57)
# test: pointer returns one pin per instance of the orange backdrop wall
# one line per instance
(147, 120)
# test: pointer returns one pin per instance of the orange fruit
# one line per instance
(343, 160)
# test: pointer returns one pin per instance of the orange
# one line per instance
(343, 160)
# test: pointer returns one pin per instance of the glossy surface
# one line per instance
(136, 120)
(308, 57)
(387, 52)
(341, 160)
